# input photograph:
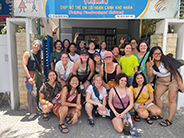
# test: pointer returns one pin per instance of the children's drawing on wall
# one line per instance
(34, 6)
(162, 8)
(22, 6)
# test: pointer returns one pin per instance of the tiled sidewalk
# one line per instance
(14, 123)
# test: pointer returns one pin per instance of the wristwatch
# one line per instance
(144, 104)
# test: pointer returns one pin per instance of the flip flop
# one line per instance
(68, 119)
(165, 123)
(61, 128)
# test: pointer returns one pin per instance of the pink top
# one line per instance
(117, 103)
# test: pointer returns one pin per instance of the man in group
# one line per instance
(55, 55)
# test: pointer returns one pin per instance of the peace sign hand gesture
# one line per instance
(151, 62)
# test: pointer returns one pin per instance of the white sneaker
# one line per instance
(32, 116)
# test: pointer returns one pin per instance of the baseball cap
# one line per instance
(96, 53)
(108, 54)
(84, 51)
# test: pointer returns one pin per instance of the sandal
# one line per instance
(160, 117)
(165, 123)
(45, 117)
(61, 128)
(137, 118)
(68, 119)
(149, 121)
(154, 117)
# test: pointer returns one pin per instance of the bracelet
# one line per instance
(29, 77)
(54, 32)
(76, 112)
(149, 68)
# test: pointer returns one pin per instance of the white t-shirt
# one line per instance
(74, 58)
(102, 54)
(93, 96)
(163, 71)
(64, 73)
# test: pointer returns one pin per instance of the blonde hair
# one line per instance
(96, 76)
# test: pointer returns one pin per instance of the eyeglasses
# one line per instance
(157, 54)
(74, 80)
(81, 44)
(37, 45)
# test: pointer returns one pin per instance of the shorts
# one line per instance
(164, 83)
(136, 105)
(39, 105)
(112, 115)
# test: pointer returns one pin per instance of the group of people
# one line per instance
(111, 82)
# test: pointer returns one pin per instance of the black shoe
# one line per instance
(96, 114)
(91, 122)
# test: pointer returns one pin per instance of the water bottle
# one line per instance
(126, 127)
(82, 89)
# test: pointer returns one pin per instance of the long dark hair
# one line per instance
(101, 47)
(69, 87)
(119, 76)
(115, 47)
(50, 72)
(167, 61)
(134, 83)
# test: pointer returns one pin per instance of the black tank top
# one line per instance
(32, 63)
(110, 76)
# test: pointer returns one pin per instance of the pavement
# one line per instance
(14, 123)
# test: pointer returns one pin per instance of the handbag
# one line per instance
(96, 92)
(132, 111)
(43, 75)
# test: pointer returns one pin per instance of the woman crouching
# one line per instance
(96, 99)
(70, 104)
(120, 108)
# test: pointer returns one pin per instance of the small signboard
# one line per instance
(4, 10)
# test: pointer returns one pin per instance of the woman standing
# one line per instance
(31, 63)
(129, 63)
(96, 97)
(143, 104)
(117, 110)
(142, 56)
(84, 68)
(64, 69)
(70, 107)
(97, 62)
(109, 70)
(49, 93)
(169, 79)
(91, 50)
(66, 44)
(102, 50)
(134, 44)
(116, 53)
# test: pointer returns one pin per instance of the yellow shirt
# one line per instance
(142, 97)
(128, 64)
